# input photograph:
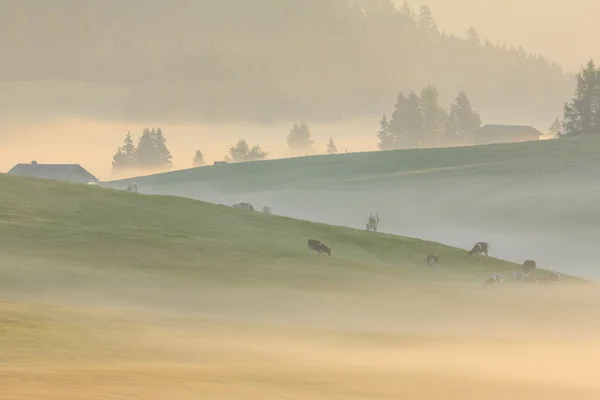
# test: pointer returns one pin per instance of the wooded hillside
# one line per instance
(267, 59)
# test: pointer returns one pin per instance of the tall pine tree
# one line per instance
(385, 139)
(198, 159)
(582, 114)
(462, 121)
(125, 159)
(160, 142)
(413, 131)
(331, 147)
(299, 138)
(434, 117)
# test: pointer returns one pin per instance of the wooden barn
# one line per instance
(489, 134)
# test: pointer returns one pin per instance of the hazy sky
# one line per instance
(565, 31)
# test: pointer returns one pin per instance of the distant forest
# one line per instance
(266, 60)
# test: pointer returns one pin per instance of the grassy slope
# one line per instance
(519, 186)
(104, 229)
(47, 228)
(530, 161)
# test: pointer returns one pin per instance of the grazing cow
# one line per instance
(517, 275)
(373, 222)
(318, 246)
(528, 267)
(554, 277)
(480, 249)
(431, 259)
(267, 210)
(246, 206)
(494, 279)
(132, 187)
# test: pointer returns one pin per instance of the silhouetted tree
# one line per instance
(414, 122)
(462, 120)
(300, 139)
(473, 36)
(556, 128)
(198, 159)
(385, 139)
(425, 19)
(434, 116)
(160, 142)
(241, 152)
(582, 114)
(125, 158)
(152, 151)
(331, 147)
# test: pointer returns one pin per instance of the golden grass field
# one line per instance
(78, 353)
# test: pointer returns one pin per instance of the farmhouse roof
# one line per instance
(505, 133)
(65, 172)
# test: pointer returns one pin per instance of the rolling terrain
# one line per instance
(108, 294)
(535, 200)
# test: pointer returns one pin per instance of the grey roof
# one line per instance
(505, 133)
(65, 172)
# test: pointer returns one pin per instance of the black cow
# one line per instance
(480, 249)
(528, 267)
(318, 246)
(431, 259)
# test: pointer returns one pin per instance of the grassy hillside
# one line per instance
(536, 200)
(532, 162)
(107, 294)
(92, 227)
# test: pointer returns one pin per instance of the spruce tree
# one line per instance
(331, 147)
(414, 123)
(397, 126)
(385, 139)
(160, 142)
(582, 114)
(125, 157)
(434, 117)
(198, 159)
(556, 128)
(146, 153)
(462, 120)
(299, 138)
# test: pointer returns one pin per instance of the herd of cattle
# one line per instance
(527, 273)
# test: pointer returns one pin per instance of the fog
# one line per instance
(562, 31)
(76, 76)
(450, 215)
(137, 336)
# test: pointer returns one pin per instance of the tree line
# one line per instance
(420, 121)
(581, 116)
(265, 60)
(151, 151)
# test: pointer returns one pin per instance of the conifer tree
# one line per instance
(582, 114)
(462, 120)
(198, 159)
(299, 138)
(331, 148)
